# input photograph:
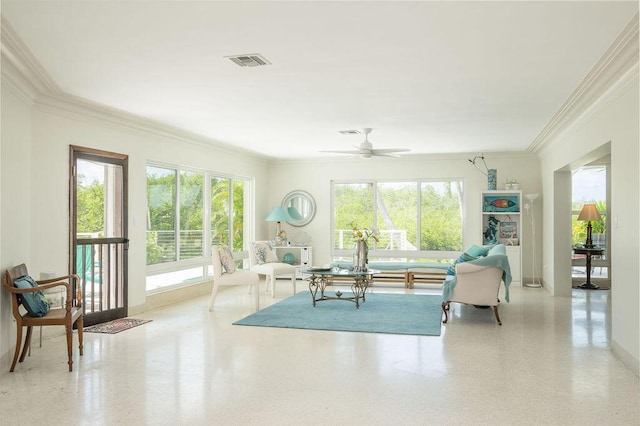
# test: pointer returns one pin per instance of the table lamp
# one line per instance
(279, 214)
(589, 213)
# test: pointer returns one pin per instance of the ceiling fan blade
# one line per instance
(354, 152)
(377, 154)
(389, 150)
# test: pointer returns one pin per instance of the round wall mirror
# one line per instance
(301, 207)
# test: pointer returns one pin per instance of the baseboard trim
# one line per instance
(172, 296)
(626, 358)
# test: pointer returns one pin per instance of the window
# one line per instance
(187, 208)
(417, 219)
(227, 212)
(191, 215)
(161, 204)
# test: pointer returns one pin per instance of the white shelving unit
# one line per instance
(302, 257)
(502, 223)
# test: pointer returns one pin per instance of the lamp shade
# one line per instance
(278, 214)
(589, 212)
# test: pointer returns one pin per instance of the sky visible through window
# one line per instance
(589, 184)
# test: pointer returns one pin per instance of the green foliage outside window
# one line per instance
(397, 211)
(441, 216)
(162, 193)
(90, 207)
(221, 215)
(191, 214)
(161, 221)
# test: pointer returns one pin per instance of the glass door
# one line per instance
(98, 232)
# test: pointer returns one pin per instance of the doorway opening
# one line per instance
(590, 185)
(98, 232)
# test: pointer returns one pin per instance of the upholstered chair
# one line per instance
(266, 263)
(222, 277)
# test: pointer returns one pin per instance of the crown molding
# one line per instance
(17, 53)
(615, 64)
(78, 108)
(14, 82)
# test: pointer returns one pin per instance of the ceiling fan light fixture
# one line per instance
(366, 150)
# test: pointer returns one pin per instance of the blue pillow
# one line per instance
(464, 257)
(35, 303)
(478, 251)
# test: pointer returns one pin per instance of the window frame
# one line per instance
(440, 255)
(202, 261)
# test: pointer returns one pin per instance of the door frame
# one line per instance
(103, 157)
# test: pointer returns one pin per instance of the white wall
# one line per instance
(315, 177)
(15, 170)
(35, 185)
(610, 125)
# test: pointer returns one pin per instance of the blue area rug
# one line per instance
(381, 313)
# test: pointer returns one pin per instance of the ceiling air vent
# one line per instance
(349, 132)
(252, 60)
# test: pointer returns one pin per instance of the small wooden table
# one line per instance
(588, 252)
(320, 278)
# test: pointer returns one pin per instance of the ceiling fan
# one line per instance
(366, 150)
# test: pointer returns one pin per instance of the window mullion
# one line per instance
(177, 224)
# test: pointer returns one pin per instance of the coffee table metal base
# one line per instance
(318, 283)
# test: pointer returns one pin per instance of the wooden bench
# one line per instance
(407, 273)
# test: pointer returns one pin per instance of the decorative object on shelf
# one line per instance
(511, 185)
(509, 231)
(589, 213)
(278, 215)
(289, 258)
(490, 233)
(502, 203)
(491, 174)
(361, 254)
(529, 206)
(300, 206)
(492, 179)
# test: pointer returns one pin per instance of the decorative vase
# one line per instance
(492, 179)
(360, 257)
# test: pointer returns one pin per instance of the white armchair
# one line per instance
(271, 269)
(238, 277)
(477, 282)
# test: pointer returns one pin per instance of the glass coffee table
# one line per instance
(320, 278)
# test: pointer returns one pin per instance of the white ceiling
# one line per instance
(435, 77)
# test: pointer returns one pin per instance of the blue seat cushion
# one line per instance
(35, 303)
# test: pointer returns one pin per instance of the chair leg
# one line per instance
(27, 343)
(214, 293)
(445, 309)
(273, 285)
(495, 311)
(18, 346)
(80, 325)
(293, 282)
(69, 331)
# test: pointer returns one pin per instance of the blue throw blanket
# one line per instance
(498, 260)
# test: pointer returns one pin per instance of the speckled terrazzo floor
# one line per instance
(549, 364)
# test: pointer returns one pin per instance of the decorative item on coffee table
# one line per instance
(361, 239)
